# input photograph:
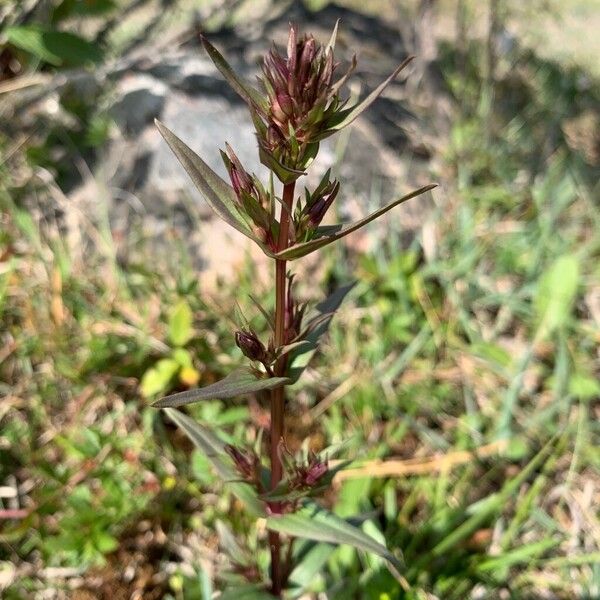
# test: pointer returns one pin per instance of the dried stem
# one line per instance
(278, 395)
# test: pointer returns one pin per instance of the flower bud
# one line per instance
(250, 345)
(315, 472)
(309, 475)
(317, 210)
(240, 178)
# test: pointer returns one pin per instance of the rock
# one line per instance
(141, 98)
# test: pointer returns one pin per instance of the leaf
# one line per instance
(228, 542)
(246, 92)
(67, 8)
(180, 324)
(156, 379)
(333, 38)
(309, 565)
(347, 116)
(299, 250)
(214, 450)
(315, 523)
(246, 592)
(235, 384)
(55, 47)
(217, 192)
(300, 357)
(556, 293)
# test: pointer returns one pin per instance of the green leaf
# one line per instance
(217, 192)
(180, 324)
(301, 356)
(228, 542)
(318, 524)
(67, 8)
(299, 250)
(246, 592)
(214, 449)
(55, 47)
(584, 386)
(556, 293)
(309, 564)
(235, 384)
(156, 379)
(347, 116)
(183, 358)
(246, 92)
(105, 542)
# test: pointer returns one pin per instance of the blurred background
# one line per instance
(470, 342)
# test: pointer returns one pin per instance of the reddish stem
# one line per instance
(278, 395)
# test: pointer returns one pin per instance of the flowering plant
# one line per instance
(299, 104)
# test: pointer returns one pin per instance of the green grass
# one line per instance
(482, 332)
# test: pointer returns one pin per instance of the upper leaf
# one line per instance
(216, 191)
(245, 91)
(214, 449)
(235, 384)
(315, 523)
(344, 118)
(300, 250)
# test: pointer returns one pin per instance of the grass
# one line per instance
(470, 356)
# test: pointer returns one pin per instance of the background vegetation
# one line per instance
(469, 353)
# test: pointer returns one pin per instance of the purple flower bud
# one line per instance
(310, 474)
(317, 210)
(315, 472)
(250, 345)
(285, 102)
(240, 179)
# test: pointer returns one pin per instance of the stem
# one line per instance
(278, 395)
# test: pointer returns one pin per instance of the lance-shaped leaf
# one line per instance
(235, 384)
(333, 38)
(245, 91)
(345, 117)
(214, 449)
(300, 250)
(217, 192)
(300, 357)
(315, 523)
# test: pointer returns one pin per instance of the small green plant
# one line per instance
(298, 106)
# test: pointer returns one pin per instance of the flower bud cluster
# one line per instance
(302, 103)
(304, 474)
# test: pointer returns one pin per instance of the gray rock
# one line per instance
(141, 98)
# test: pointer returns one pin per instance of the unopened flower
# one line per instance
(250, 345)
(309, 474)
(308, 215)
(253, 200)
